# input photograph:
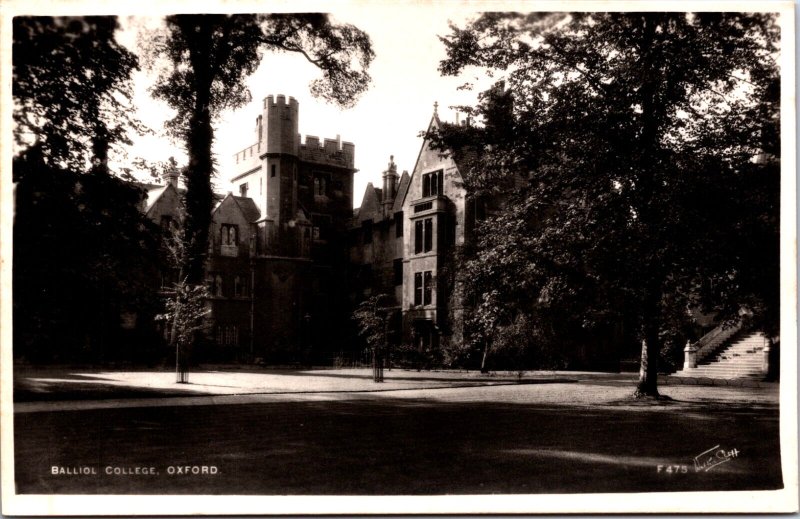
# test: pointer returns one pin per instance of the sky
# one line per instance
(386, 120)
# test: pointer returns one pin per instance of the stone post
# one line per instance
(689, 356)
(765, 358)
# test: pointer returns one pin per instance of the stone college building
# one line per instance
(289, 258)
(277, 260)
(402, 239)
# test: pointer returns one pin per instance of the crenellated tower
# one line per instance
(282, 135)
(281, 142)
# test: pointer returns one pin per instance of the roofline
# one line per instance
(240, 206)
(230, 194)
(434, 119)
(399, 188)
(163, 190)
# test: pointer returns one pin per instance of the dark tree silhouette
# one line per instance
(83, 252)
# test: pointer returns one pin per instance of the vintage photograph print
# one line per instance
(382, 258)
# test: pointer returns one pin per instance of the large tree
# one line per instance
(209, 58)
(71, 90)
(638, 158)
(83, 252)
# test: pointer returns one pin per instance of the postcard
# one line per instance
(385, 258)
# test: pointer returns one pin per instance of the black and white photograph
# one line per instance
(370, 257)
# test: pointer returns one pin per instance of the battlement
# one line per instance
(249, 155)
(278, 101)
(276, 133)
(281, 119)
(332, 151)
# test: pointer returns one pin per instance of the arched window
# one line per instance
(229, 234)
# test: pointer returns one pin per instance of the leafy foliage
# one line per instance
(342, 52)
(371, 318)
(186, 305)
(83, 252)
(202, 62)
(637, 159)
(71, 89)
(185, 309)
(185, 313)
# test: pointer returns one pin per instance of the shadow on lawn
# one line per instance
(44, 386)
(377, 446)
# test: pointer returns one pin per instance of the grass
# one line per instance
(374, 444)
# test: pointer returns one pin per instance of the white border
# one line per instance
(785, 500)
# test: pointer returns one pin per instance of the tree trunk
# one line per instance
(198, 197)
(649, 146)
(200, 136)
(182, 364)
(648, 369)
(181, 372)
(484, 369)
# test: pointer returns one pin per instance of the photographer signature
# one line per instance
(714, 456)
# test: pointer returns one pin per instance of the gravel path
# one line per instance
(54, 389)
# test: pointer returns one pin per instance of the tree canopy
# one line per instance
(71, 89)
(637, 155)
(83, 252)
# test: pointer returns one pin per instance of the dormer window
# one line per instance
(432, 183)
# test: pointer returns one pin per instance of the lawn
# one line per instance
(547, 438)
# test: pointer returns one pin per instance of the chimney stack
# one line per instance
(171, 173)
(389, 185)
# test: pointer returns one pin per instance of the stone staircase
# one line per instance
(741, 356)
